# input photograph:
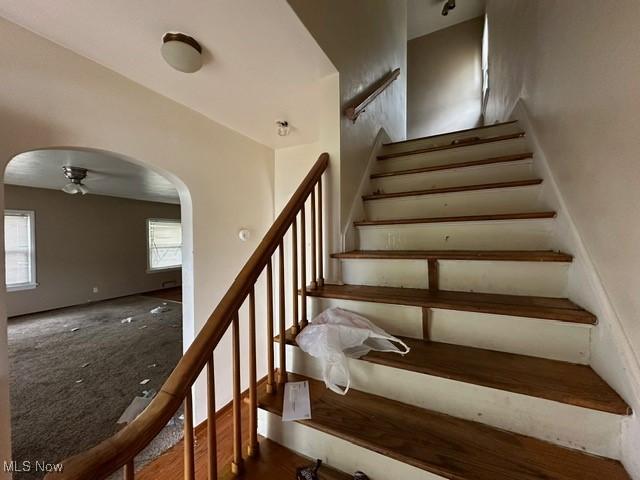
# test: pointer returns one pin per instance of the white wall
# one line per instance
(444, 82)
(365, 40)
(293, 163)
(53, 97)
(575, 64)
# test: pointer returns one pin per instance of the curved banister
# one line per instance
(353, 111)
(120, 449)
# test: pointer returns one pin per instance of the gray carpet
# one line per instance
(54, 415)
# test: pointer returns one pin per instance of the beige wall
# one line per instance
(365, 39)
(87, 241)
(444, 80)
(575, 64)
(53, 97)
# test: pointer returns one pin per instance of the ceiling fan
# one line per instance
(75, 175)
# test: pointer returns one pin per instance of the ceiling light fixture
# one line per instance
(448, 5)
(75, 176)
(182, 52)
(283, 128)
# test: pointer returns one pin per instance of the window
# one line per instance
(20, 250)
(485, 64)
(165, 244)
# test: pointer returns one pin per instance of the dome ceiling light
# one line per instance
(182, 52)
(75, 176)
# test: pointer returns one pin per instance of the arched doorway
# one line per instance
(94, 295)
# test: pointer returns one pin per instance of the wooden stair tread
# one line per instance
(555, 380)
(276, 462)
(451, 166)
(479, 141)
(455, 132)
(441, 444)
(464, 218)
(463, 188)
(501, 255)
(548, 308)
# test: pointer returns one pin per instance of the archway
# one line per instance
(73, 292)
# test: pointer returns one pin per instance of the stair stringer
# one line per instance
(357, 212)
(612, 355)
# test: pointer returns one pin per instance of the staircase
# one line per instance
(456, 257)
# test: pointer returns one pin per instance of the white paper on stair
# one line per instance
(297, 405)
(336, 334)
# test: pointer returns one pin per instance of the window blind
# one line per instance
(19, 245)
(165, 244)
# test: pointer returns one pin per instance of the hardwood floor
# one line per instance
(169, 466)
(274, 462)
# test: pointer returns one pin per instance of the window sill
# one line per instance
(161, 270)
(24, 286)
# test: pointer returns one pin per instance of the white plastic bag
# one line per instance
(336, 334)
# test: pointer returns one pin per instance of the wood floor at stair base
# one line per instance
(336, 452)
(543, 338)
(548, 279)
(559, 423)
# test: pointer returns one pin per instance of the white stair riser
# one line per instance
(479, 202)
(454, 155)
(481, 235)
(542, 338)
(546, 279)
(559, 423)
(488, 132)
(336, 452)
(496, 172)
(401, 320)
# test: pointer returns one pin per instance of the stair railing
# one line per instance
(352, 112)
(119, 451)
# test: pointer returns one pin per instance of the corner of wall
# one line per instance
(612, 355)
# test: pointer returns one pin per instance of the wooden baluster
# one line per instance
(189, 461)
(314, 283)
(212, 442)
(252, 450)
(271, 384)
(237, 463)
(129, 471)
(294, 276)
(320, 239)
(282, 373)
(303, 267)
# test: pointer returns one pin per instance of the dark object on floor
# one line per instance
(360, 476)
(309, 473)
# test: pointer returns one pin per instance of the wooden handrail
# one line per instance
(120, 450)
(352, 112)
